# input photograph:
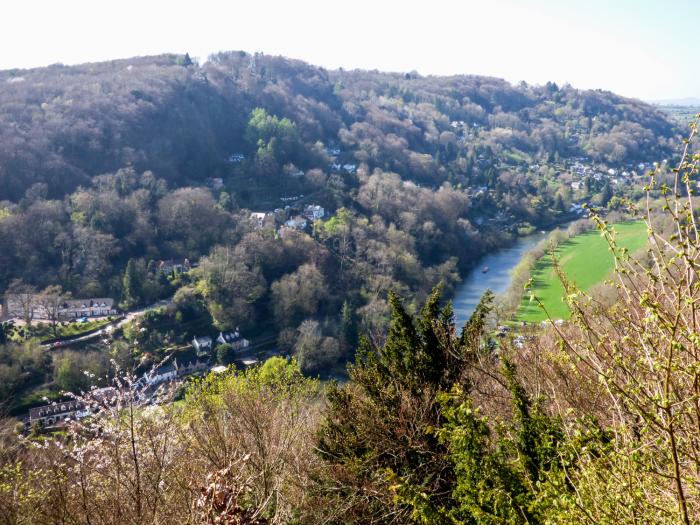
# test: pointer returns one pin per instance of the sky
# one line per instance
(646, 49)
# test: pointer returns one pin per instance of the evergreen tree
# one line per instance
(132, 285)
(348, 326)
(382, 424)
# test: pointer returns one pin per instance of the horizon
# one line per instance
(597, 46)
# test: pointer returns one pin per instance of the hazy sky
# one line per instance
(641, 48)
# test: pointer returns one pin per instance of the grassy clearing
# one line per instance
(67, 329)
(586, 259)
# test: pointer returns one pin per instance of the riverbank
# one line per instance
(500, 264)
(586, 259)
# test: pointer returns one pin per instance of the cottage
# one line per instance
(191, 367)
(235, 339)
(174, 265)
(236, 157)
(59, 413)
(202, 345)
(314, 212)
(258, 219)
(296, 223)
(161, 374)
(56, 414)
(350, 168)
(70, 309)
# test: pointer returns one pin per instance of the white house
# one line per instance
(202, 345)
(174, 265)
(58, 413)
(235, 339)
(12, 307)
(162, 374)
(296, 223)
(236, 157)
(258, 219)
(314, 212)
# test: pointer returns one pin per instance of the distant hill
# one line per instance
(60, 126)
(688, 101)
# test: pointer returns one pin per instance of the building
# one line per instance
(314, 212)
(191, 367)
(174, 265)
(235, 339)
(202, 345)
(70, 309)
(258, 219)
(161, 374)
(58, 413)
(236, 157)
(296, 223)
(170, 371)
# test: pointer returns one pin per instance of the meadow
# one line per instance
(586, 259)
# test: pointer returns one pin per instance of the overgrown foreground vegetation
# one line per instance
(596, 421)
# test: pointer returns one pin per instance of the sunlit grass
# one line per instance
(586, 260)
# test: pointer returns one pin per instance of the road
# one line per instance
(130, 316)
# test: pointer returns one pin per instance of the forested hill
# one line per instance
(62, 125)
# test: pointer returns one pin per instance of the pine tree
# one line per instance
(348, 326)
(132, 285)
(383, 423)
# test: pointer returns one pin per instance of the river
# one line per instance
(497, 279)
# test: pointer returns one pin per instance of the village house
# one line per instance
(170, 371)
(161, 374)
(202, 345)
(12, 308)
(236, 157)
(235, 339)
(314, 212)
(58, 413)
(174, 265)
(191, 367)
(76, 308)
(296, 223)
(258, 219)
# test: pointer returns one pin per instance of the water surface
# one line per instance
(500, 263)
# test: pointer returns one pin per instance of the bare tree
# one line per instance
(642, 355)
(51, 301)
(25, 295)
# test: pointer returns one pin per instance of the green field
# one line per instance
(586, 260)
